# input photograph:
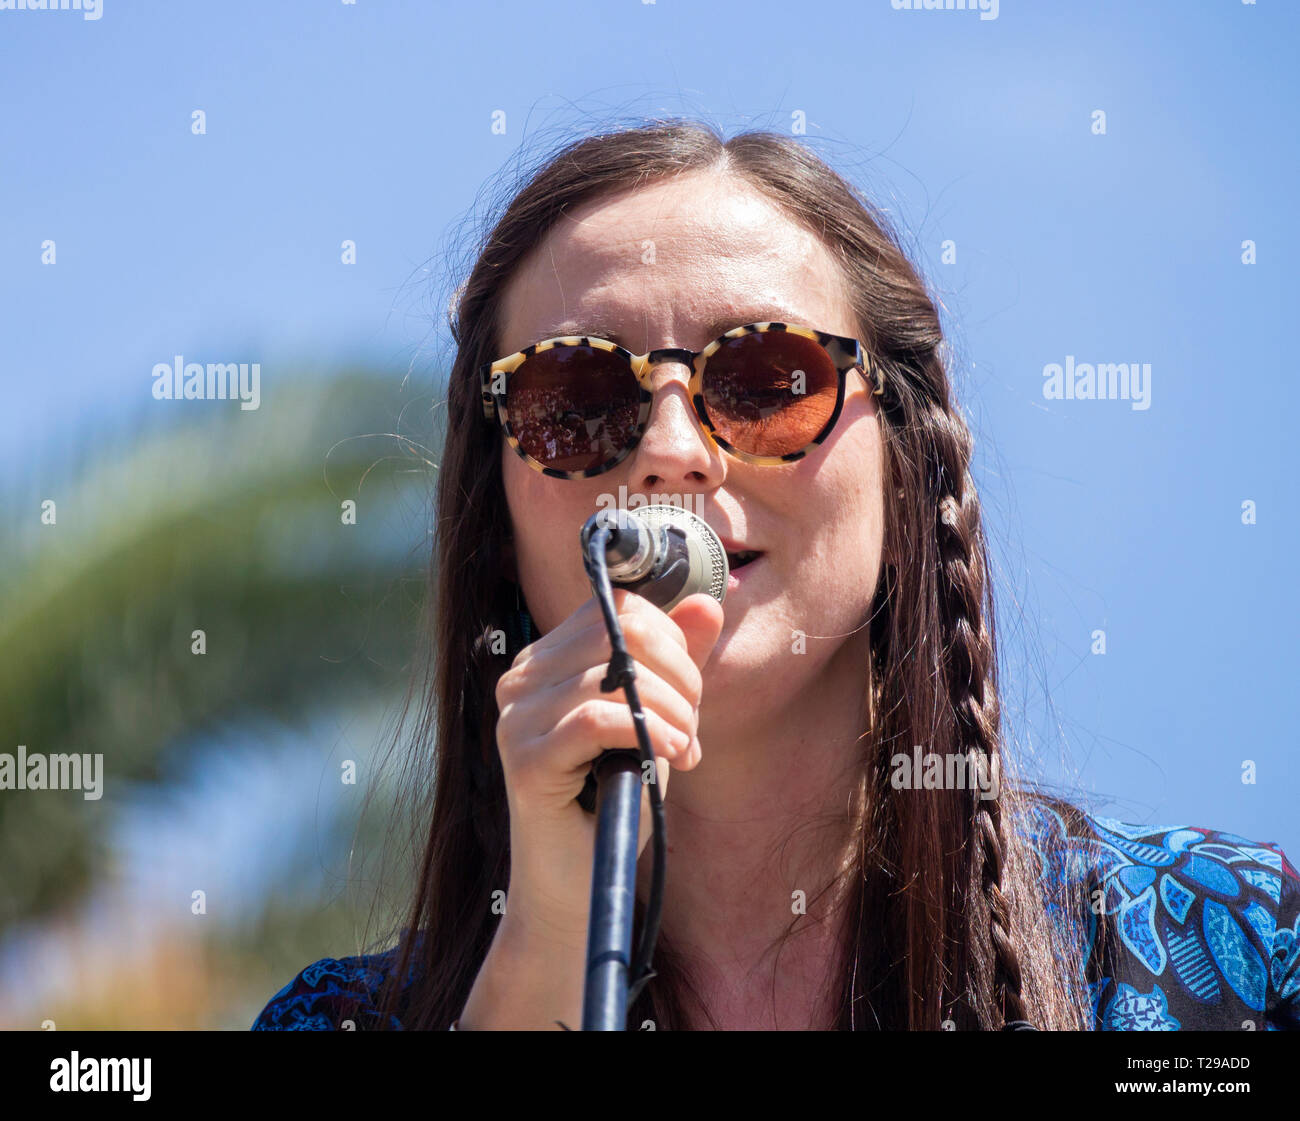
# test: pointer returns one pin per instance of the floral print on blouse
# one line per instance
(1200, 933)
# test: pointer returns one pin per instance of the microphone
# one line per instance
(663, 553)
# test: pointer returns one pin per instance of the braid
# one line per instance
(968, 643)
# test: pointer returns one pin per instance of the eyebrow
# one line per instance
(598, 329)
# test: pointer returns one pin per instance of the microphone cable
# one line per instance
(622, 673)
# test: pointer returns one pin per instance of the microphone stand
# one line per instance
(613, 891)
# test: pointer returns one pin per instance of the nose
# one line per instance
(675, 450)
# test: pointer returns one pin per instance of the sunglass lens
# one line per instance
(770, 393)
(573, 408)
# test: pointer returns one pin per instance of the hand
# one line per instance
(554, 721)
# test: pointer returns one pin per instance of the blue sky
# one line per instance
(372, 122)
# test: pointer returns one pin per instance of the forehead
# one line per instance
(675, 263)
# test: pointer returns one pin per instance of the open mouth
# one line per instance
(740, 559)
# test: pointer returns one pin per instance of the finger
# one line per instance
(583, 733)
(627, 604)
(590, 617)
(548, 706)
(654, 641)
(700, 618)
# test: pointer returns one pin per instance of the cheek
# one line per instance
(854, 504)
(546, 515)
(835, 513)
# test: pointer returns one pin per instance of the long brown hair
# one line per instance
(951, 919)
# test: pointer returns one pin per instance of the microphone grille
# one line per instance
(706, 547)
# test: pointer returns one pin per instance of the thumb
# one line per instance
(700, 618)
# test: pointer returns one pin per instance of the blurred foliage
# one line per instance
(217, 519)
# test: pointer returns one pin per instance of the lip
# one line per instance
(739, 576)
(731, 546)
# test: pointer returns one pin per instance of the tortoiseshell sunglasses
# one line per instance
(768, 393)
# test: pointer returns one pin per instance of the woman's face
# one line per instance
(676, 264)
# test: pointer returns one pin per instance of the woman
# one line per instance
(829, 866)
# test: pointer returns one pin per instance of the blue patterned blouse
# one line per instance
(1201, 934)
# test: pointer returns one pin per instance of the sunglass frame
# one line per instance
(845, 353)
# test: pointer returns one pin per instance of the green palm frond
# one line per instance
(227, 522)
